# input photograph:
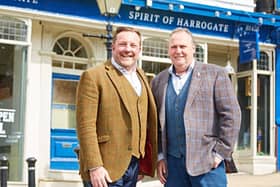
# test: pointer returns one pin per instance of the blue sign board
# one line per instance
(249, 47)
(147, 17)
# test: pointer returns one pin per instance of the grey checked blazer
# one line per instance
(212, 116)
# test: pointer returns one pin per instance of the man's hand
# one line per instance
(217, 161)
(162, 171)
(99, 177)
(140, 177)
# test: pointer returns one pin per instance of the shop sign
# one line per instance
(204, 24)
(249, 47)
(6, 116)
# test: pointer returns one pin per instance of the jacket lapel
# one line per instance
(194, 84)
(162, 94)
(115, 77)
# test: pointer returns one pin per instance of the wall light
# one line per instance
(137, 8)
(149, 3)
(170, 6)
(217, 13)
(109, 9)
(260, 21)
(228, 13)
(181, 7)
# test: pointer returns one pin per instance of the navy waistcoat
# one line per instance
(175, 106)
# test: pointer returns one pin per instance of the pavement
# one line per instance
(234, 180)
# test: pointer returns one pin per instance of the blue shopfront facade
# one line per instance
(202, 20)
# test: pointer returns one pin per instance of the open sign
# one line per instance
(6, 116)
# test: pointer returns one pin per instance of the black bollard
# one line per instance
(4, 171)
(31, 171)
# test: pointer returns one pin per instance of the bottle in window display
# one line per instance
(259, 141)
(246, 139)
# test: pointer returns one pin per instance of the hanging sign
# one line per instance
(249, 47)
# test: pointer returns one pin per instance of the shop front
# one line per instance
(43, 52)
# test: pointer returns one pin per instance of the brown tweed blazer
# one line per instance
(104, 121)
(212, 116)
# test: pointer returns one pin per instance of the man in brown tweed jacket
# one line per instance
(199, 118)
(115, 114)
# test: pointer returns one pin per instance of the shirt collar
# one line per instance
(121, 68)
(171, 69)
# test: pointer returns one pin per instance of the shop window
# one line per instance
(154, 67)
(199, 53)
(63, 101)
(244, 98)
(12, 103)
(155, 56)
(263, 115)
(154, 47)
(263, 63)
(263, 123)
(13, 29)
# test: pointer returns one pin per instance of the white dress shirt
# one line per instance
(132, 77)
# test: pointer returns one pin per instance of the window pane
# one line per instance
(81, 66)
(245, 66)
(12, 101)
(199, 54)
(63, 103)
(263, 123)
(64, 43)
(56, 63)
(263, 63)
(68, 65)
(244, 98)
(154, 67)
(70, 47)
(155, 48)
(12, 29)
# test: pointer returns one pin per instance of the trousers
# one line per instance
(179, 177)
(129, 179)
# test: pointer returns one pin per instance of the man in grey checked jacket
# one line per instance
(199, 118)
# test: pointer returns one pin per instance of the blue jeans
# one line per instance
(179, 177)
(129, 179)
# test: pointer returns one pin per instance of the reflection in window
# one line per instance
(262, 64)
(244, 98)
(12, 103)
(263, 115)
(244, 66)
(63, 101)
